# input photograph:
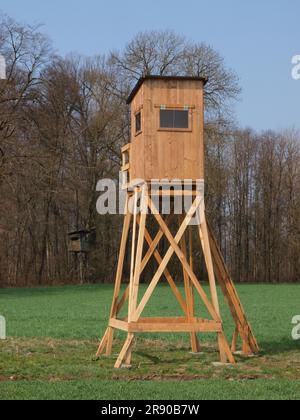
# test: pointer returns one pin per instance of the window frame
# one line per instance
(136, 114)
(189, 109)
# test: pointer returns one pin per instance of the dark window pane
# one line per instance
(174, 119)
(181, 119)
(166, 119)
(138, 122)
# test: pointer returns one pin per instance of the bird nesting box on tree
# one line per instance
(167, 144)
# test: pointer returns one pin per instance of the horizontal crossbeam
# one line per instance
(167, 325)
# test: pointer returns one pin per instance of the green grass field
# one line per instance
(53, 335)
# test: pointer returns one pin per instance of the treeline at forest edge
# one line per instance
(62, 124)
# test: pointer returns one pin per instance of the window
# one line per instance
(174, 119)
(138, 122)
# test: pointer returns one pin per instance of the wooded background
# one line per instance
(62, 123)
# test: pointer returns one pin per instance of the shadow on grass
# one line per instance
(278, 347)
(153, 359)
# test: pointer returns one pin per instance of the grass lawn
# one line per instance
(53, 335)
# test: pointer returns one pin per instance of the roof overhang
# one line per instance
(166, 78)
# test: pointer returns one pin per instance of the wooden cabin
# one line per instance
(167, 142)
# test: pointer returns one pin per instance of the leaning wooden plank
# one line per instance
(232, 297)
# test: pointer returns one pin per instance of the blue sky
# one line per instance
(257, 38)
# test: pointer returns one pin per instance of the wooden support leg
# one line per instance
(102, 344)
(243, 327)
(178, 246)
(226, 349)
(234, 340)
(136, 265)
(189, 298)
(225, 352)
(196, 343)
(109, 335)
(110, 339)
(123, 356)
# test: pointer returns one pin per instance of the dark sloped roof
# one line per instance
(143, 79)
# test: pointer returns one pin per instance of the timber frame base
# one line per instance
(139, 205)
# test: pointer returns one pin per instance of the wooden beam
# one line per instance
(103, 343)
(231, 295)
(139, 253)
(133, 247)
(125, 350)
(118, 281)
(189, 298)
(168, 327)
(126, 148)
(153, 246)
(176, 193)
(126, 228)
(234, 340)
(119, 325)
(203, 232)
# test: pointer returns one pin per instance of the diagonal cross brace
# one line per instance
(168, 276)
(174, 248)
(182, 257)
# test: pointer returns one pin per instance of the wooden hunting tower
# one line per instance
(167, 144)
(82, 241)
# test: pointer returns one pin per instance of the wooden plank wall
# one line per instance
(159, 154)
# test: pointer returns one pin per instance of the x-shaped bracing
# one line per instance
(174, 248)
(139, 263)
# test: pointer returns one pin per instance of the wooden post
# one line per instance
(137, 262)
(243, 327)
(125, 356)
(225, 352)
(189, 296)
(108, 336)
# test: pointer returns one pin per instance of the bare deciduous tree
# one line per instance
(166, 53)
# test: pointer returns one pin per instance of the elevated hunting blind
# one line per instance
(167, 129)
(82, 241)
(167, 144)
